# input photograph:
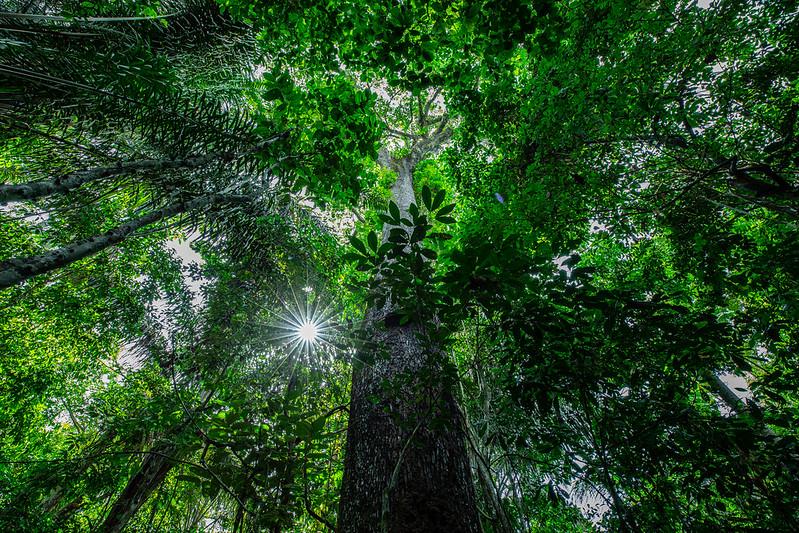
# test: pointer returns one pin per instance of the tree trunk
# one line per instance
(501, 522)
(727, 395)
(164, 455)
(738, 406)
(17, 270)
(154, 469)
(406, 467)
(38, 189)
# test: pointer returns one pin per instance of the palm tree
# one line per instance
(108, 108)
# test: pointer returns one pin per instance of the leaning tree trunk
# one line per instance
(406, 467)
(736, 405)
(164, 455)
(17, 270)
(156, 465)
(38, 189)
(16, 192)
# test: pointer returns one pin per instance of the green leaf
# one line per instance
(273, 94)
(440, 195)
(447, 209)
(428, 253)
(384, 249)
(393, 209)
(358, 245)
(349, 256)
(372, 239)
(427, 198)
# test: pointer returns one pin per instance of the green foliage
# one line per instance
(603, 222)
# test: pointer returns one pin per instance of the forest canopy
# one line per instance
(407, 266)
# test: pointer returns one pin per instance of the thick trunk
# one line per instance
(17, 270)
(154, 469)
(406, 467)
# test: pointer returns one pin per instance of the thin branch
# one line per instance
(401, 134)
(430, 101)
(319, 518)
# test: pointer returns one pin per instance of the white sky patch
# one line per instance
(595, 226)
(189, 257)
(258, 71)
(721, 66)
(738, 384)
(129, 358)
(560, 263)
(17, 210)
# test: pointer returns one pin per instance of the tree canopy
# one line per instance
(506, 265)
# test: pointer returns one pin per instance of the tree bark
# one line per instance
(406, 467)
(38, 189)
(17, 270)
(737, 406)
(164, 455)
(154, 469)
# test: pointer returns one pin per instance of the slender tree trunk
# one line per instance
(737, 406)
(164, 455)
(627, 521)
(728, 396)
(140, 487)
(288, 474)
(406, 467)
(17, 270)
(38, 189)
(501, 523)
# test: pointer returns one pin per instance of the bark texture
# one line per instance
(38, 189)
(154, 468)
(406, 467)
(17, 270)
(63, 184)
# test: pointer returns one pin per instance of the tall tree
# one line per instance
(405, 439)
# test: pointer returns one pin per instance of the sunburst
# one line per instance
(305, 325)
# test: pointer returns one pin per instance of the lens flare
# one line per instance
(307, 332)
(305, 327)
